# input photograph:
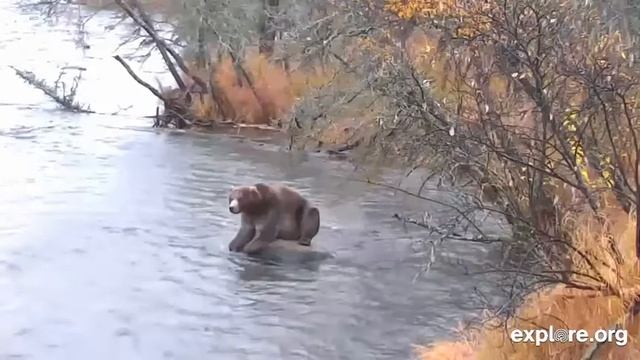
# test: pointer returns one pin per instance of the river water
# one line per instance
(113, 239)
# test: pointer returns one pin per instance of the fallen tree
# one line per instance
(190, 87)
(64, 96)
(176, 103)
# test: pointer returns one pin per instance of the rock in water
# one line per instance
(283, 251)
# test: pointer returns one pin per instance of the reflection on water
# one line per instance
(113, 243)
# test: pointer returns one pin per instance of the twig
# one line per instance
(139, 80)
(148, 28)
(67, 101)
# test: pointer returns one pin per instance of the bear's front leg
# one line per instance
(244, 235)
(266, 233)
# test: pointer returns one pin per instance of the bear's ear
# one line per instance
(255, 194)
(261, 187)
(264, 190)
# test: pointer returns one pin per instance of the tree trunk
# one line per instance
(202, 52)
(201, 59)
(268, 28)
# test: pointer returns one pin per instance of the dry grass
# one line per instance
(449, 350)
(561, 307)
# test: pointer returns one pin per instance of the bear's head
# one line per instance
(244, 199)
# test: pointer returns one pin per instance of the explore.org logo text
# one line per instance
(539, 336)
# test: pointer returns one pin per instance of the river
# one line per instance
(113, 240)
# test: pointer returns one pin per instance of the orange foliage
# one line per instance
(558, 307)
(270, 97)
(471, 15)
(409, 9)
(272, 94)
(447, 350)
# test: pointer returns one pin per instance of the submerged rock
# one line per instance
(283, 251)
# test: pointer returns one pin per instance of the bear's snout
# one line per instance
(234, 207)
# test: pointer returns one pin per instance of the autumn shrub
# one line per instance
(257, 91)
(535, 102)
(609, 280)
(534, 99)
(267, 97)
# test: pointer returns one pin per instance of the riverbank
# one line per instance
(594, 311)
(253, 90)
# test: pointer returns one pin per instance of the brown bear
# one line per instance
(271, 212)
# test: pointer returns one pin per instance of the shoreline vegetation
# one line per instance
(531, 107)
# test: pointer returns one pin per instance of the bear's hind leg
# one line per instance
(310, 226)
